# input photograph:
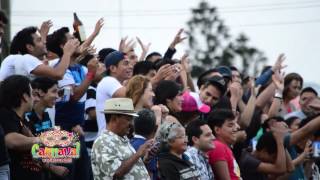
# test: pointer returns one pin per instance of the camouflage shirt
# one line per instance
(108, 152)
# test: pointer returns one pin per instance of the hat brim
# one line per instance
(134, 114)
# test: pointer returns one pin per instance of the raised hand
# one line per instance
(144, 47)
(185, 63)
(125, 46)
(44, 29)
(177, 39)
(278, 80)
(163, 72)
(145, 148)
(236, 90)
(278, 66)
(71, 46)
(98, 26)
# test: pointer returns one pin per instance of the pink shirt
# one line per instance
(222, 152)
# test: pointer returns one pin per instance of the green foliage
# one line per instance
(211, 45)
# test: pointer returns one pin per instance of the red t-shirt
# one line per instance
(222, 152)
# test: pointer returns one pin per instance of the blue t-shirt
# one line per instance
(136, 142)
(37, 125)
(70, 113)
(297, 174)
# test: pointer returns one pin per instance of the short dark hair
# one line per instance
(218, 82)
(12, 90)
(233, 68)
(21, 39)
(143, 67)
(56, 39)
(145, 124)
(268, 143)
(84, 61)
(43, 83)
(204, 76)
(161, 62)
(290, 120)
(265, 124)
(104, 52)
(166, 90)
(3, 17)
(218, 117)
(149, 56)
(194, 130)
(309, 89)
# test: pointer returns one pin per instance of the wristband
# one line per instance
(90, 76)
(278, 94)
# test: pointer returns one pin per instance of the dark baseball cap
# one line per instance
(218, 82)
(113, 58)
(225, 71)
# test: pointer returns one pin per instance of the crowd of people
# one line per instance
(143, 117)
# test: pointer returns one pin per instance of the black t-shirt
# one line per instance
(248, 166)
(171, 168)
(37, 125)
(21, 166)
(4, 156)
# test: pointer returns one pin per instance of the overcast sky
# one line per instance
(273, 26)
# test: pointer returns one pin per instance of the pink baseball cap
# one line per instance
(191, 102)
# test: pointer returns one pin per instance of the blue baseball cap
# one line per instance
(225, 71)
(113, 58)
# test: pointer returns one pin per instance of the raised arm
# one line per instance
(94, 34)
(172, 47)
(247, 114)
(58, 71)
(279, 166)
(144, 48)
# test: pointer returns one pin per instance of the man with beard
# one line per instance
(27, 50)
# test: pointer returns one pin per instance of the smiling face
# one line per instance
(227, 132)
(179, 144)
(123, 70)
(175, 104)
(204, 142)
(209, 95)
(49, 98)
(147, 97)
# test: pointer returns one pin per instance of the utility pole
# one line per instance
(5, 6)
(120, 18)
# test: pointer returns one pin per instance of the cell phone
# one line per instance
(155, 145)
(316, 150)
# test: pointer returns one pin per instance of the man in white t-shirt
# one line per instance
(119, 70)
(27, 48)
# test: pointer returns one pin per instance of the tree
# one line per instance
(211, 45)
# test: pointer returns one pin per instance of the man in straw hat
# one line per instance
(112, 155)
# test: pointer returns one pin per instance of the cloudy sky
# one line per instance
(274, 26)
